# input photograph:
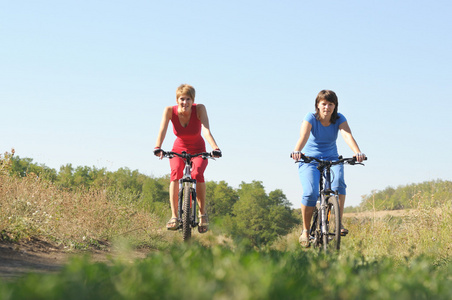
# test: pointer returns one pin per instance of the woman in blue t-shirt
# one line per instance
(318, 136)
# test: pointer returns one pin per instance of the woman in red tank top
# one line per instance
(188, 119)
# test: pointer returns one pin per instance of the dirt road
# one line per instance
(18, 259)
(41, 257)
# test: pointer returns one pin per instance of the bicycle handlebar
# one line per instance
(350, 161)
(185, 155)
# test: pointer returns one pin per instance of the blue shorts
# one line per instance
(310, 176)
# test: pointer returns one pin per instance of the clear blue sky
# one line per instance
(85, 82)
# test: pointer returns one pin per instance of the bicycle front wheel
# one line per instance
(332, 240)
(315, 227)
(186, 226)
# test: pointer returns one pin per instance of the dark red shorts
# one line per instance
(199, 165)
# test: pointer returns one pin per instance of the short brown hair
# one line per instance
(185, 89)
(329, 96)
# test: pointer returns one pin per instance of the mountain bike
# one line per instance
(187, 217)
(326, 223)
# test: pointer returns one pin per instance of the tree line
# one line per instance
(248, 214)
(433, 193)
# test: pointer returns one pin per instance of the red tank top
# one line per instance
(189, 138)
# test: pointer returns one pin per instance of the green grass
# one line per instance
(196, 272)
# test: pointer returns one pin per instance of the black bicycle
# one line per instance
(326, 223)
(187, 217)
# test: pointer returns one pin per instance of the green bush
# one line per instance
(196, 272)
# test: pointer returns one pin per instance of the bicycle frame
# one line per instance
(324, 191)
(190, 183)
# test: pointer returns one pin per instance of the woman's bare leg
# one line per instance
(201, 197)
(306, 212)
(173, 195)
(341, 204)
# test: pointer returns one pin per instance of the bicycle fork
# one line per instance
(180, 201)
(323, 215)
(324, 211)
(194, 215)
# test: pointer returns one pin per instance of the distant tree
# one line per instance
(23, 166)
(259, 218)
(83, 177)
(282, 218)
(99, 178)
(126, 179)
(250, 214)
(220, 198)
(65, 176)
(278, 198)
(155, 191)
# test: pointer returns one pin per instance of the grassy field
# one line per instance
(398, 257)
(425, 230)
(198, 272)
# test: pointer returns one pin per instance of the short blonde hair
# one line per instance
(187, 90)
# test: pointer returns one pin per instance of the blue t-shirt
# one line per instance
(322, 140)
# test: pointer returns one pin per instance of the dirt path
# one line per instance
(18, 259)
(41, 257)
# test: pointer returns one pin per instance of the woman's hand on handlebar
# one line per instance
(159, 152)
(296, 155)
(216, 153)
(360, 157)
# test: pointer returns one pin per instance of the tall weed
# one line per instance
(34, 208)
(425, 230)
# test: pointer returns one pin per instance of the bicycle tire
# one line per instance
(332, 241)
(186, 226)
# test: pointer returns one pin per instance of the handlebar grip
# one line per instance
(303, 157)
(365, 158)
(355, 161)
(291, 154)
(216, 153)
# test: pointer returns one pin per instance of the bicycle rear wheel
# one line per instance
(332, 241)
(186, 226)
